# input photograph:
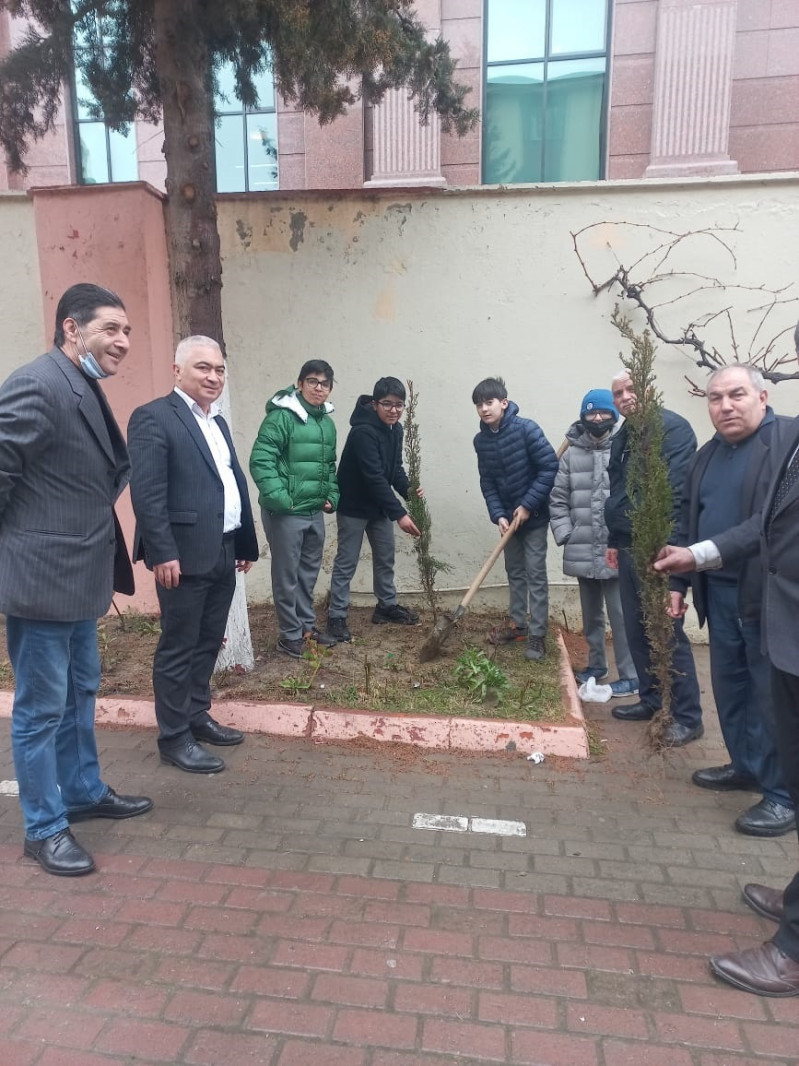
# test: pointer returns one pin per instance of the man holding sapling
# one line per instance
(370, 474)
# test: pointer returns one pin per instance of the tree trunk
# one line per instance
(190, 211)
(190, 217)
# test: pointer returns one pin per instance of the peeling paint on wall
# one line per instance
(244, 231)
(298, 220)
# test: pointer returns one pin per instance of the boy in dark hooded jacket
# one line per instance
(517, 466)
(370, 472)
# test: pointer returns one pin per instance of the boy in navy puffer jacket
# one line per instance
(517, 467)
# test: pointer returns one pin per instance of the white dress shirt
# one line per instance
(221, 455)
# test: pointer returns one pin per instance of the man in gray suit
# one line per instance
(63, 463)
(194, 531)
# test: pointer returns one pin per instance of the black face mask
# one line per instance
(598, 429)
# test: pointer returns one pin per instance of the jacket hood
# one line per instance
(365, 415)
(510, 413)
(290, 400)
(579, 437)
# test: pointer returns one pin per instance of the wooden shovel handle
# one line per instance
(495, 554)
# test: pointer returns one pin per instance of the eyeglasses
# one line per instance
(317, 383)
(387, 405)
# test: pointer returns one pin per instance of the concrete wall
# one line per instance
(20, 291)
(443, 288)
(447, 288)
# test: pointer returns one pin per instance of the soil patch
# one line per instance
(379, 670)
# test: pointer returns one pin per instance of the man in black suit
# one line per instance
(726, 484)
(194, 531)
(773, 968)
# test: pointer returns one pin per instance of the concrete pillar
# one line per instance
(114, 235)
(693, 85)
(404, 152)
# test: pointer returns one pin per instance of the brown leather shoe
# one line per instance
(766, 971)
(764, 900)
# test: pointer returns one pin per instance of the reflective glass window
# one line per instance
(516, 30)
(246, 139)
(578, 26)
(231, 173)
(543, 119)
(103, 154)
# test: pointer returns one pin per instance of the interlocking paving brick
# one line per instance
(583, 944)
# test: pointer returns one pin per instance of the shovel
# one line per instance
(446, 623)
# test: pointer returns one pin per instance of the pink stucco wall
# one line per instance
(764, 119)
(114, 235)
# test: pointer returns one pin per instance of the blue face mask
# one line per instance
(88, 364)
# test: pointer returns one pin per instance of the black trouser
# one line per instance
(685, 706)
(193, 620)
(785, 695)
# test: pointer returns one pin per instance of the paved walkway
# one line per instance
(285, 913)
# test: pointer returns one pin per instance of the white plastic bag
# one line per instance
(591, 692)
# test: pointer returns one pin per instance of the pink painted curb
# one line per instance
(329, 724)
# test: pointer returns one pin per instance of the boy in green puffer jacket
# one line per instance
(293, 463)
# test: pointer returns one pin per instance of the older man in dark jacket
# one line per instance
(679, 446)
(772, 969)
(726, 484)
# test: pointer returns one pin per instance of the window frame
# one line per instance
(243, 113)
(77, 122)
(546, 60)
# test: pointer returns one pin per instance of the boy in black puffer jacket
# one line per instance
(517, 467)
(369, 473)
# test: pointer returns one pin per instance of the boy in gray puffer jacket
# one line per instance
(577, 518)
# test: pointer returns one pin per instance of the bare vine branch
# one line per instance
(639, 283)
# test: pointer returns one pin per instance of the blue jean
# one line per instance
(57, 674)
(741, 677)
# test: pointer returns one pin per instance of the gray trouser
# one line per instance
(526, 566)
(296, 543)
(380, 534)
(592, 592)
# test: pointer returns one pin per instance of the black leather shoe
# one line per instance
(192, 757)
(724, 779)
(112, 806)
(766, 901)
(766, 971)
(676, 735)
(766, 819)
(211, 732)
(633, 712)
(60, 854)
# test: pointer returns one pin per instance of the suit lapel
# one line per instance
(791, 444)
(238, 473)
(753, 474)
(88, 404)
(190, 422)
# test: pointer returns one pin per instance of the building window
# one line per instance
(246, 139)
(545, 90)
(103, 154)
